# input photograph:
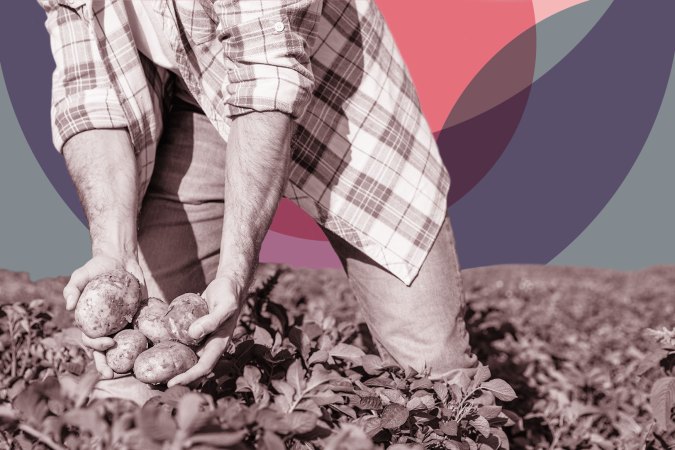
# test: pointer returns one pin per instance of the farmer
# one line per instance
(182, 124)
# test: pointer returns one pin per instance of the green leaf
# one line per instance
(263, 337)
(383, 380)
(309, 405)
(489, 412)
(172, 395)
(283, 403)
(156, 422)
(190, 412)
(270, 420)
(31, 405)
(421, 402)
(490, 442)
(344, 409)
(370, 402)
(441, 390)
(372, 364)
(85, 385)
(463, 383)
(481, 425)
(500, 389)
(449, 428)
(482, 374)
(320, 376)
(326, 398)
(219, 439)
(87, 421)
(312, 329)
(395, 396)
(271, 441)
(501, 436)
(301, 422)
(394, 415)
(295, 376)
(300, 341)
(662, 399)
(250, 380)
(349, 437)
(320, 356)
(284, 389)
(423, 383)
(346, 351)
(406, 447)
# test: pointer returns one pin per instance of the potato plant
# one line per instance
(574, 349)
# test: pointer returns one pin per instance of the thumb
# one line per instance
(207, 324)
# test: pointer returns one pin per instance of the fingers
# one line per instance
(101, 344)
(94, 267)
(212, 351)
(212, 321)
(82, 276)
(78, 280)
(101, 365)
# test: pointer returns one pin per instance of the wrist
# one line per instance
(117, 238)
(239, 276)
(120, 249)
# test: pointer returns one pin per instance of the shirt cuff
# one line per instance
(269, 68)
(267, 88)
(86, 110)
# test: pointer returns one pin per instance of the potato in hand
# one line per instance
(150, 320)
(128, 345)
(184, 310)
(108, 303)
(160, 363)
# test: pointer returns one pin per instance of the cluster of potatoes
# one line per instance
(157, 348)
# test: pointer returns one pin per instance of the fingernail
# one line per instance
(70, 302)
(197, 332)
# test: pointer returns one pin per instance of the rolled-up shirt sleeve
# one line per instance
(267, 49)
(82, 95)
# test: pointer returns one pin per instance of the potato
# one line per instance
(184, 310)
(164, 361)
(108, 303)
(128, 345)
(150, 320)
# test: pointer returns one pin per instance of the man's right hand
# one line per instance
(96, 266)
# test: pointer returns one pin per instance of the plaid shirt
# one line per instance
(364, 162)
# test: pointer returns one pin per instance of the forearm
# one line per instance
(103, 168)
(257, 165)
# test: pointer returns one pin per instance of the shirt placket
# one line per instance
(172, 33)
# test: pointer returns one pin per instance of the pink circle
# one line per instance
(444, 49)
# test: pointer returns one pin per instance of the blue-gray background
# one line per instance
(40, 234)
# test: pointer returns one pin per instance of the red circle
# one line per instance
(444, 48)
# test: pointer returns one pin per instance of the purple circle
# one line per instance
(577, 132)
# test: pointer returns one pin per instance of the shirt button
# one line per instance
(279, 27)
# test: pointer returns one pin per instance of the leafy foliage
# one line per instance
(573, 345)
(302, 373)
(297, 380)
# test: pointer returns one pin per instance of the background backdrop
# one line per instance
(555, 119)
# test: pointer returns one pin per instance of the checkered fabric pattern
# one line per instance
(365, 163)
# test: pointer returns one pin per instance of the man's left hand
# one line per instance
(224, 300)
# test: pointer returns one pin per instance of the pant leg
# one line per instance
(421, 324)
(181, 218)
